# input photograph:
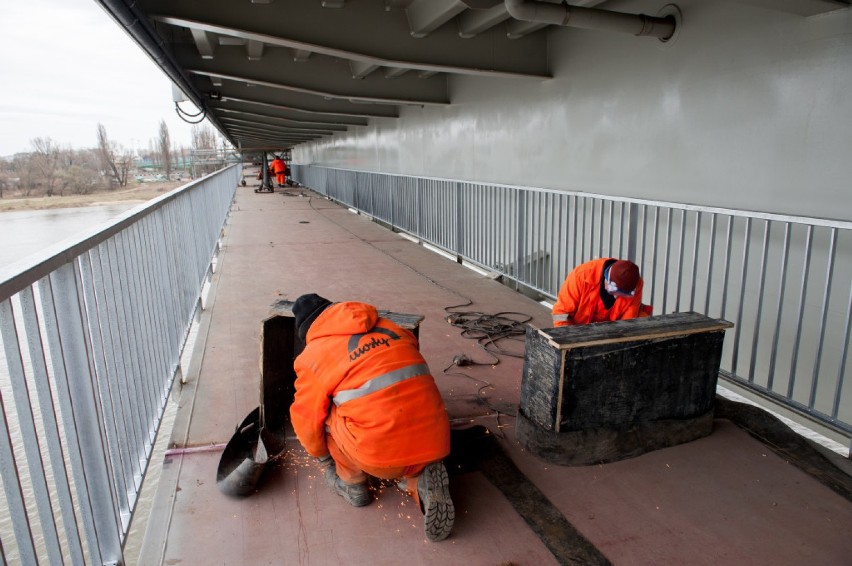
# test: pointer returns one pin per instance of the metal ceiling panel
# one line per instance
(360, 30)
(310, 64)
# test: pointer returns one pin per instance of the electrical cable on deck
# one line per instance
(486, 329)
(489, 329)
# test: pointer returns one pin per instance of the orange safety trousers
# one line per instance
(351, 471)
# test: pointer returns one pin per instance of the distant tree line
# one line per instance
(52, 170)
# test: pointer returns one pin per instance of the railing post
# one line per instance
(393, 190)
(15, 503)
(522, 237)
(459, 217)
(419, 206)
(632, 230)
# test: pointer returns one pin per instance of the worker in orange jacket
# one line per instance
(600, 290)
(279, 168)
(366, 403)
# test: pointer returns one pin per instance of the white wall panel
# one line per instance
(749, 108)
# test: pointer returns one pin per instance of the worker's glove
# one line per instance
(325, 461)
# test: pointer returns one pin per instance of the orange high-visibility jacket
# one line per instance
(278, 166)
(364, 377)
(580, 298)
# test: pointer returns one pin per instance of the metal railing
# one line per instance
(92, 336)
(785, 281)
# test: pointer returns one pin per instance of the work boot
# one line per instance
(356, 494)
(433, 495)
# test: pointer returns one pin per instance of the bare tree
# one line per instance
(203, 137)
(45, 161)
(80, 173)
(77, 181)
(115, 160)
(165, 148)
(203, 150)
(28, 179)
(6, 176)
(153, 153)
(175, 159)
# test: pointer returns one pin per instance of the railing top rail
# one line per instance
(770, 216)
(21, 274)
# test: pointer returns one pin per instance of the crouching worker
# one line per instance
(366, 403)
(600, 290)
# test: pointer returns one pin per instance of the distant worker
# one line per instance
(600, 290)
(366, 403)
(279, 168)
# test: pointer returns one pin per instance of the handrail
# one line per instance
(780, 278)
(827, 222)
(95, 327)
(17, 276)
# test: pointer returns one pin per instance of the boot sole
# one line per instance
(439, 511)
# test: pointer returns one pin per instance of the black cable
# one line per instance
(485, 385)
(486, 329)
(489, 329)
(199, 113)
(181, 113)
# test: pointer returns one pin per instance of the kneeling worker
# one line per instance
(600, 290)
(366, 403)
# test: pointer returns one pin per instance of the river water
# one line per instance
(27, 233)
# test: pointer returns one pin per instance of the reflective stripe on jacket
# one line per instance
(579, 300)
(386, 408)
(380, 382)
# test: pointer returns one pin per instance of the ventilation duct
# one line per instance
(662, 28)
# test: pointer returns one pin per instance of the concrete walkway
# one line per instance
(724, 499)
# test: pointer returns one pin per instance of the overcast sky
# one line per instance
(65, 65)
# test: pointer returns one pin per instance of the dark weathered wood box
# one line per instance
(279, 346)
(609, 391)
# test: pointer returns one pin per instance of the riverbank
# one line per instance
(139, 193)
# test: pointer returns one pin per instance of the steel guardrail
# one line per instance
(92, 331)
(784, 280)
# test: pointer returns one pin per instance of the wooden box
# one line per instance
(604, 392)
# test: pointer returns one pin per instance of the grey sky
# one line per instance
(65, 65)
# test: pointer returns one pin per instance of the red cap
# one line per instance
(625, 275)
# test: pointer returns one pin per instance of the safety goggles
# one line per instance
(613, 289)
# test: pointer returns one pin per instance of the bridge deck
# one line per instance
(723, 499)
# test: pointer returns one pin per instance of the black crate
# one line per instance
(608, 391)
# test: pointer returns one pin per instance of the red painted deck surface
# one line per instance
(724, 499)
